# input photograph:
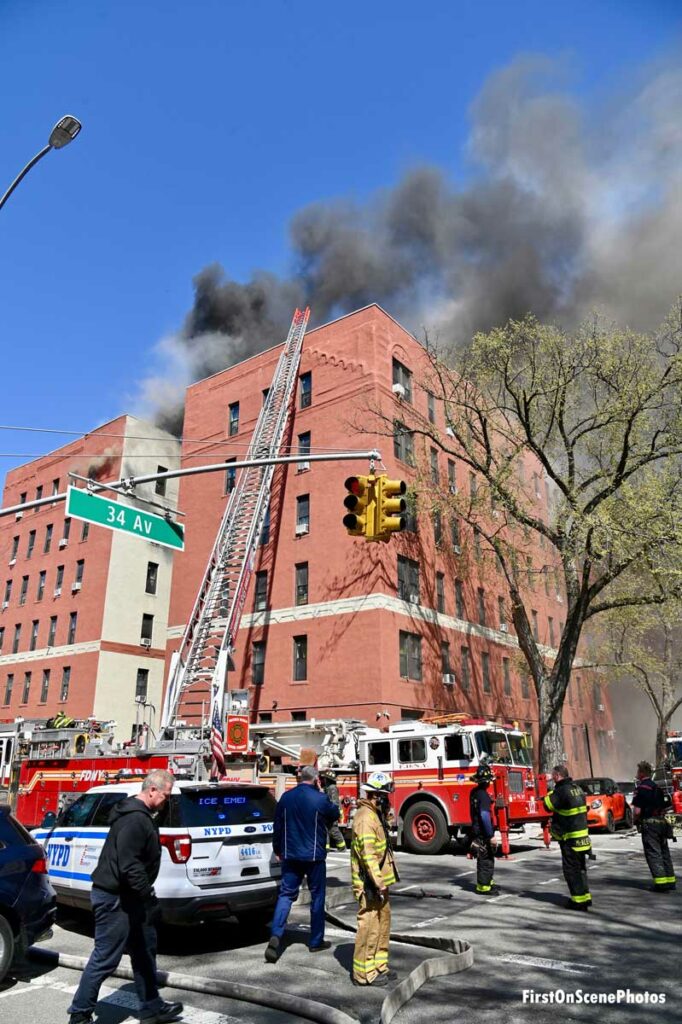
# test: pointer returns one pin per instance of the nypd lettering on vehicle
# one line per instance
(58, 854)
(226, 830)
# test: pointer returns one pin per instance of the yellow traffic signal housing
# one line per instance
(391, 507)
(360, 502)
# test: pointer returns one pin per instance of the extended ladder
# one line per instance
(199, 667)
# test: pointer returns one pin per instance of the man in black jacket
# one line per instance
(125, 906)
(649, 804)
(569, 826)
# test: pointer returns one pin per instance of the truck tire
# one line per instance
(425, 829)
(610, 823)
(7, 943)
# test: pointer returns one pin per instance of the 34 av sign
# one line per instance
(93, 508)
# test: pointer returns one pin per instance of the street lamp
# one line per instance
(64, 132)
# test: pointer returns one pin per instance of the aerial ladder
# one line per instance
(199, 667)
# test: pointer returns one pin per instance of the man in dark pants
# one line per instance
(480, 807)
(649, 804)
(569, 826)
(125, 906)
(302, 818)
(331, 790)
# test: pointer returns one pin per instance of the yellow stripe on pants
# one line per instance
(370, 957)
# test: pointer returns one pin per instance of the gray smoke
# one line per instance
(561, 214)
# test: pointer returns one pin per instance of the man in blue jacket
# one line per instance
(302, 818)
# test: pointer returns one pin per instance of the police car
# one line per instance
(216, 849)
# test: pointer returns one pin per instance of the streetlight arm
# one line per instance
(23, 174)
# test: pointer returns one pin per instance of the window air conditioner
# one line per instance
(57, 591)
(398, 390)
(413, 598)
(301, 529)
(448, 679)
(600, 707)
(76, 586)
(457, 549)
(452, 488)
(145, 641)
(63, 542)
(13, 561)
(504, 628)
(5, 604)
(302, 467)
(19, 515)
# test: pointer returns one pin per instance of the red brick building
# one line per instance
(335, 626)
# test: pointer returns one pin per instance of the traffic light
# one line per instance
(391, 508)
(359, 520)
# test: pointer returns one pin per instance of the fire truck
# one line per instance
(432, 763)
(670, 772)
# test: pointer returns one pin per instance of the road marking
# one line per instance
(430, 921)
(504, 896)
(461, 874)
(31, 985)
(547, 881)
(548, 965)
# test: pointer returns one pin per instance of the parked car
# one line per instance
(607, 808)
(627, 789)
(28, 904)
(216, 849)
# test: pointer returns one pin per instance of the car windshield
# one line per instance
(201, 807)
(593, 787)
(494, 745)
(675, 751)
(519, 749)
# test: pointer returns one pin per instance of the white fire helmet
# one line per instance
(378, 782)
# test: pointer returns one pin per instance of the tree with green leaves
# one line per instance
(595, 417)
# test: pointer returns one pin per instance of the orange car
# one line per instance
(607, 808)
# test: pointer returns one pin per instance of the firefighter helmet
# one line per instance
(484, 774)
(378, 782)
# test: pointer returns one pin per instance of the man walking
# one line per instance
(649, 804)
(373, 870)
(569, 826)
(483, 828)
(302, 818)
(125, 906)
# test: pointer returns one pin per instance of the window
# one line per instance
(233, 419)
(401, 375)
(17, 638)
(485, 666)
(379, 752)
(100, 818)
(303, 513)
(536, 632)
(480, 592)
(455, 535)
(545, 578)
(502, 614)
(457, 747)
(265, 531)
(411, 751)
(579, 691)
(557, 590)
(437, 528)
(67, 529)
(160, 485)
(152, 580)
(452, 479)
(440, 591)
(410, 647)
(305, 390)
(26, 691)
(299, 716)
(304, 451)
(477, 542)
(300, 658)
(142, 684)
(33, 643)
(66, 680)
(80, 810)
(73, 621)
(529, 572)
(301, 595)
(45, 686)
(8, 592)
(445, 657)
(536, 485)
(506, 678)
(9, 685)
(258, 662)
(431, 407)
(403, 443)
(597, 700)
(550, 623)
(408, 579)
(31, 543)
(473, 486)
(85, 530)
(39, 494)
(15, 548)
(525, 686)
(52, 631)
(260, 602)
(459, 599)
(266, 392)
(575, 742)
(466, 669)
(42, 576)
(147, 627)
(230, 476)
(2, 636)
(59, 578)
(435, 474)
(24, 589)
(55, 486)
(265, 716)
(80, 568)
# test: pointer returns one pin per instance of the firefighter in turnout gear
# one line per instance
(569, 826)
(649, 804)
(373, 870)
(480, 806)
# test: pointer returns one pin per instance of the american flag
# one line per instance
(217, 748)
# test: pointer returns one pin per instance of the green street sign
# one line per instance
(81, 504)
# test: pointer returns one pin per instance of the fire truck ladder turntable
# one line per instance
(199, 667)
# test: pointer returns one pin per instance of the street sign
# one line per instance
(93, 508)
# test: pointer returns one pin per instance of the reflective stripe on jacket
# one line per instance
(368, 847)
(569, 815)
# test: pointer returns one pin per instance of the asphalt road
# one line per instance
(524, 941)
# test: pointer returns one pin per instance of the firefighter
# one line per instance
(569, 827)
(649, 805)
(480, 806)
(331, 791)
(373, 870)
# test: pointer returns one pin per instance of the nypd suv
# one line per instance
(216, 849)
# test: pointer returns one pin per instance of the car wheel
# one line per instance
(627, 817)
(610, 823)
(7, 945)
(425, 829)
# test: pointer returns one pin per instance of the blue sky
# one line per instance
(207, 125)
